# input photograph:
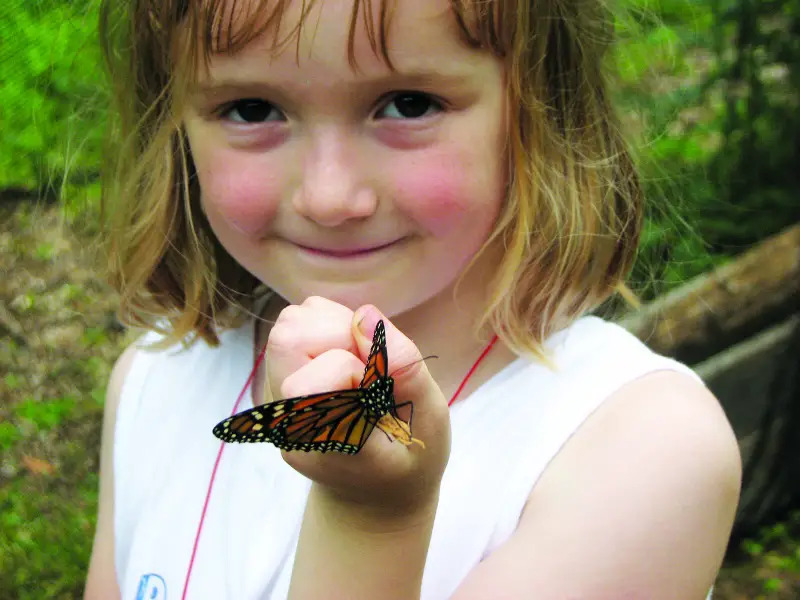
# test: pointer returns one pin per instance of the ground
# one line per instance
(58, 339)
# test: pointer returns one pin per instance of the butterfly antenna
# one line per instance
(409, 365)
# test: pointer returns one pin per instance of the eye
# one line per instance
(409, 105)
(251, 110)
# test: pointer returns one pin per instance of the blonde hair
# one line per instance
(570, 224)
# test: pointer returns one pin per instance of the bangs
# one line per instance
(215, 27)
(573, 210)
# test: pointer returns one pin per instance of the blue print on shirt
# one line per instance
(151, 587)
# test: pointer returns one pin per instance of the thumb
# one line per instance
(412, 380)
(401, 352)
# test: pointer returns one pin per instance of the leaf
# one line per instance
(37, 466)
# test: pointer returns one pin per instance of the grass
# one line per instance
(52, 401)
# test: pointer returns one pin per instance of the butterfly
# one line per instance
(339, 421)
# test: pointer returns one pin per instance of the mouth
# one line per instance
(347, 252)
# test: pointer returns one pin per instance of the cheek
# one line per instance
(240, 196)
(441, 192)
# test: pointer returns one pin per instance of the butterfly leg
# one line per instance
(397, 429)
(410, 414)
(374, 422)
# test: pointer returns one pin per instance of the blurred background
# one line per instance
(708, 93)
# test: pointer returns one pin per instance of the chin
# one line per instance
(354, 297)
(388, 306)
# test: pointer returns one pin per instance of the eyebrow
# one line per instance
(422, 78)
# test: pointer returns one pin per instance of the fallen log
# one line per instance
(756, 290)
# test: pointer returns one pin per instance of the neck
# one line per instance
(443, 326)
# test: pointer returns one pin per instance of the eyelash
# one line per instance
(226, 110)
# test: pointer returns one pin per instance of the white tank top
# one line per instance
(164, 455)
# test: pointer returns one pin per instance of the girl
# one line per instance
(287, 174)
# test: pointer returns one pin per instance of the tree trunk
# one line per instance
(715, 311)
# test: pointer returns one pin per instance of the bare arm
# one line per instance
(101, 580)
(344, 552)
(639, 504)
(368, 521)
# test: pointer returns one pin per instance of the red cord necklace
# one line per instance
(256, 364)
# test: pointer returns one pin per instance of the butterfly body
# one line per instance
(378, 398)
(339, 421)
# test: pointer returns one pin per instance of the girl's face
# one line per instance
(361, 185)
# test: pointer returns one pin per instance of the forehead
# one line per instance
(367, 34)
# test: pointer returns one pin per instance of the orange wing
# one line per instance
(337, 420)
(378, 359)
(320, 422)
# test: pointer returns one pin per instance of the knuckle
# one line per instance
(282, 337)
(316, 302)
(289, 314)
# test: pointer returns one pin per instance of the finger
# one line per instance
(303, 332)
(402, 352)
(335, 369)
(413, 382)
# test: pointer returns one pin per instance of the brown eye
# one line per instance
(409, 105)
(252, 110)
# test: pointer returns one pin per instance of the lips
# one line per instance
(346, 252)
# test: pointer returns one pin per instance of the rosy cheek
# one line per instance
(437, 194)
(244, 199)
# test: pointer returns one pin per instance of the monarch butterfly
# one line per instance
(341, 420)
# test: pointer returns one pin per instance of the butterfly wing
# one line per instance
(378, 359)
(338, 420)
(320, 422)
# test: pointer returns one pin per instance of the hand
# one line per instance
(320, 346)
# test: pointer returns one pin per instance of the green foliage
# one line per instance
(45, 542)
(46, 414)
(755, 171)
(12, 381)
(660, 65)
(9, 434)
(776, 550)
(44, 252)
(710, 90)
(49, 66)
(27, 302)
(94, 336)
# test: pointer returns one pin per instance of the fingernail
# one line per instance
(368, 319)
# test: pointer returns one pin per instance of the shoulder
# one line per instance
(119, 376)
(101, 579)
(671, 403)
(638, 503)
(593, 351)
(655, 472)
(119, 372)
(149, 360)
(664, 422)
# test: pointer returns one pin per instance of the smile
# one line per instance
(352, 252)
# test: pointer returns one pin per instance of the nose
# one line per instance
(334, 188)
